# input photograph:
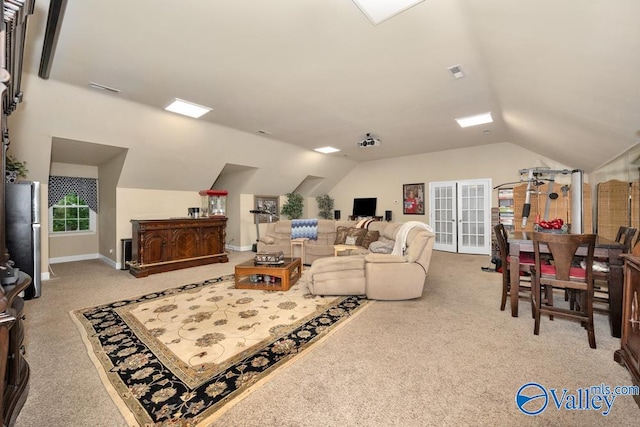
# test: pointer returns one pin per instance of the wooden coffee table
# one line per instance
(286, 275)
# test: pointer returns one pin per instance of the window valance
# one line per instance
(85, 188)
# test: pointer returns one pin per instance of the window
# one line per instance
(71, 214)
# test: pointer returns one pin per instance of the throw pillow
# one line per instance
(379, 247)
(341, 235)
(358, 233)
(369, 238)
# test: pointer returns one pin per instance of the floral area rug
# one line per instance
(177, 357)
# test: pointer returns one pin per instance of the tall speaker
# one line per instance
(387, 215)
(336, 214)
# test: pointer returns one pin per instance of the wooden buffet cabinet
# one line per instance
(160, 245)
(14, 369)
(629, 353)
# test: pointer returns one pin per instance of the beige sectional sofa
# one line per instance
(278, 238)
(384, 276)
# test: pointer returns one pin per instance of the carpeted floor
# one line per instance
(450, 358)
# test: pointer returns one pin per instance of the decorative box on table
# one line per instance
(269, 258)
(214, 202)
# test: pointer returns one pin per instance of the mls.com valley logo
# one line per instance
(532, 398)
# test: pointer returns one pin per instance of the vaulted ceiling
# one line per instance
(559, 77)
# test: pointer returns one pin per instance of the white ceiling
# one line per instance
(561, 78)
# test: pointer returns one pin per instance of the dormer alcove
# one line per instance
(104, 163)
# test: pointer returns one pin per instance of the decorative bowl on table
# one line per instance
(555, 226)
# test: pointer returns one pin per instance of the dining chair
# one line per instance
(561, 273)
(526, 262)
(601, 268)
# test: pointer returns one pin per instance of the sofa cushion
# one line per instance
(283, 227)
(381, 247)
(391, 230)
(416, 242)
(332, 264)
(268, 240)
(358, 234)
(341, 235)
(343, 232)
(369, 238)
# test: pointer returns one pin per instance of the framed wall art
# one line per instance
(267, 204)
(413, 199)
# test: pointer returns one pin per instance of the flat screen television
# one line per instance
(364, 206)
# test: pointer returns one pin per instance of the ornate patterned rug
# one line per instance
(177, 357)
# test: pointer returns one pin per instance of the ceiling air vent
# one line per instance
(95, 85)
(456, 71)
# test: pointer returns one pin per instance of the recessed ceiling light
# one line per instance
(378, 11)
(187, 108)
(326, 150)
(478, 119)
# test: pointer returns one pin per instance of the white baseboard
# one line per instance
(110, 262)
(238, 248)
(72, 258)
(82, 257)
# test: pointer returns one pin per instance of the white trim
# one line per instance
(238, 248)
(93, 224)
(73, 258)
(72, 233)
(109, 261)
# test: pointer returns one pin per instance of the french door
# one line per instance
(460, 214)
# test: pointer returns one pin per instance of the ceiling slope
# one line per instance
(560, 78)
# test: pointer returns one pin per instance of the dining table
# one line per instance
(606, 249)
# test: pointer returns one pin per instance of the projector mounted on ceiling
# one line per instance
(369, 141)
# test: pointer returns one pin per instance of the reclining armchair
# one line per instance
(378, 276)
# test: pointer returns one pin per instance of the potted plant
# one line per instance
(293, 206)
(15, 169)
(325, 206)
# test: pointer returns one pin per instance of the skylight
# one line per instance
(478, 119)
(326, 150)
(380, 10)
(187, 108)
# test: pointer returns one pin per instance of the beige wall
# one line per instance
(384, 179)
